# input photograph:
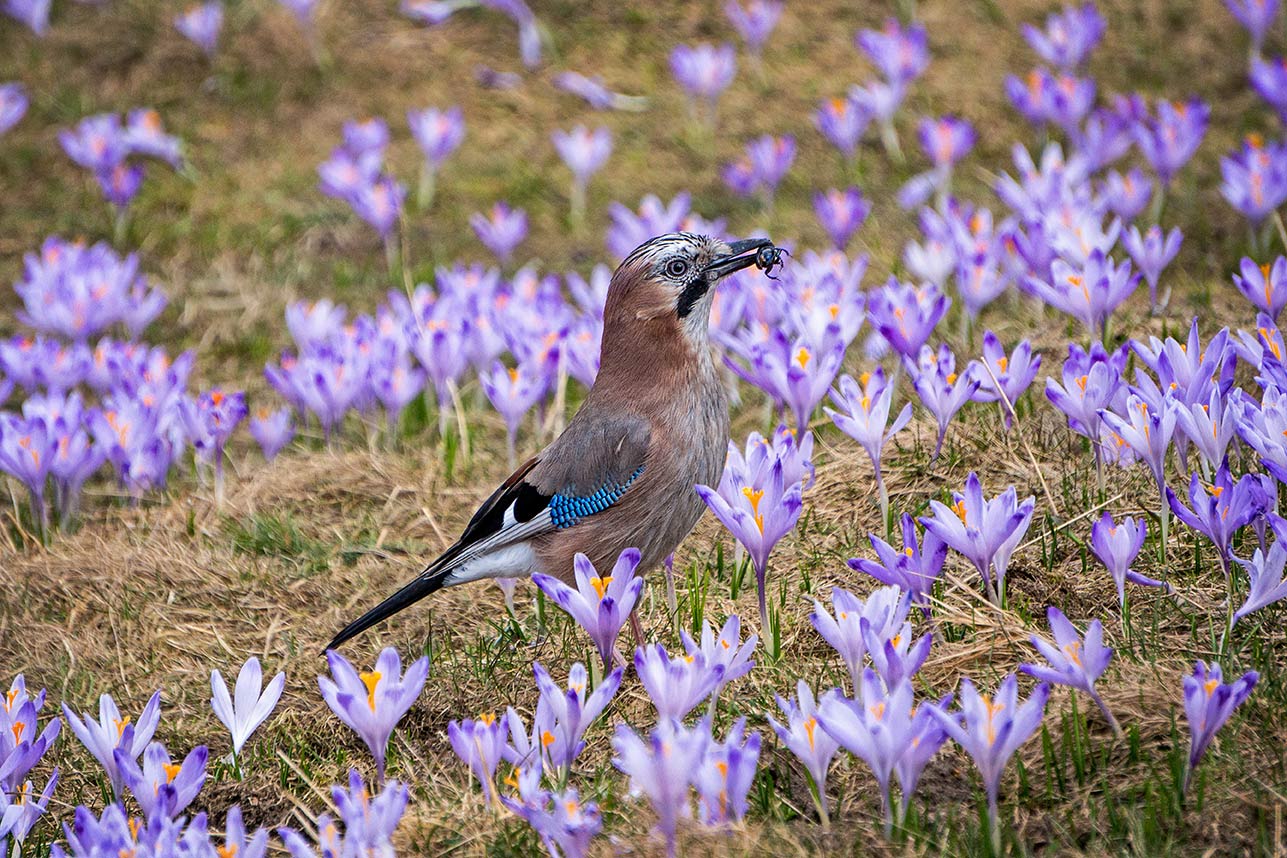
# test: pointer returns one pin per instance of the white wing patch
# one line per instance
(516, 560)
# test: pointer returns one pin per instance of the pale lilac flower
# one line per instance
(273, 430)
(1069, 36)
(1210, 426)
(941, 390)
(727, 650)
(201, 24)
(1117, 544)
(1169, 139)
(985, 531)
(843, 122)
(1208, 704)
(564, 714)
(991, 729)
(564, 823)
(884, 612)
(1257, 16)
(803, 737)
(1090, 292)
(372, 703)
(754, 23)
(726, 773)
(513, 392)
(1254, 178)
(676, 686)
(438, 133)
(913, 569)
(704, 71)
(253, 703)
(1222, 509)
(663, 768)
(1126, 194)
(1073, 660)
(1265, 575)
(927, 738)
(600, 604)
(900, 53)
(111, 731)
(1004, 378)
(33, 13)
(596, 93)
(160, 787)
(1152, 252)
(1265, 286)
(841, 213)
(501, 230)
(480, 745)
(906, 315)
(864, 416)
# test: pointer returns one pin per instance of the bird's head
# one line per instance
(672, 278)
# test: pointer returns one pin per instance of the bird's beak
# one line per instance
(741, 254)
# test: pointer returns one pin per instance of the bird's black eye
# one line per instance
(676, 268)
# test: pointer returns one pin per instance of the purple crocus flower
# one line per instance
(1069, 36)
(585, 152)
(1224, 508)
(945, 141)
(1208, 704)
(906, 315)
(273, 430)
(762, 168)
(372, 703)
(1090, 292)
(201, 25)
(501, 230)
(1264, 428)
(926, 738)
(1117, 544)
(1145, 433)
(758, 505)
(991, 729)
(1073, 660)
(564, 714)
(1152, 252)
(1265, 286)
(913, 569)
(379, 203)
(1126, 194)
(843, 123)
(480, 745)
(985, 531)
(13, 105)
(1209, 426)
(438, 133)
(663, 768)
(112, 731)
(564, 823)
(513, 393)
(1254, 179)
(1169, 138)
(727, 772)
(253, 703)
(727, 650)
(704, 71)
(814, 747)
(899, 53)
(596, 93)
(160, 787)
(145, 135)
(940, 389)
(863, 414)
(1269, 80)
(600, 604)
(210, 421)
(120, 184)
(1257, 16)
(676, 685)
(1004, 378)
(26, 453)
(755, 22)
(884, 613)
(33, 13)
(841, 213)
(872, 727)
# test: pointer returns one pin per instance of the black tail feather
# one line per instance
(430, 581)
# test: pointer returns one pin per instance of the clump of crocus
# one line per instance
(1004, 377)
(703, 71)
(112, 732)
(864, 416)
(814, 746)
(1073, 660)
(480, 745)
(663, 767)
(501, 230)
(985, 532)
(843, 121)
(726, 774)
(726, 651)
(22, 746)
(677, 685)
(355, 174)
(941, 389)
(1091, 383)
(913, 569)
(990, 730)
(945, 142)
(1169, 138)
(438, 133)
(1225, 507)
(754, 23)
(563, 714)
(1068, 37)
(252, 704)
(906, 315)
(1208, 704)
(565, 824)
(210, 420)
(600, 604)
(1152, 252)
(1090, 292)
(841, 213)
(796, 372)
(1265, 577)
(761, 169)
(201, 25)
(856, 628)
(901, 55)
(585, 152)
(365, 826)
(372, 703)
(757, 503)
(513, 391)
(1145, 432)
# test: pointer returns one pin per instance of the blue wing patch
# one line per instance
(567, 510)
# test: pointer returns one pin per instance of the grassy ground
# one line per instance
(157, 596)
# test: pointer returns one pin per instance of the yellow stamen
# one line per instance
(371, 680)
(600, 585)
(171, 771)
(810, 725)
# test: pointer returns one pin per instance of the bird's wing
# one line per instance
(586, 470)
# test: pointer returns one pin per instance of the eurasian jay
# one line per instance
(621, 475)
